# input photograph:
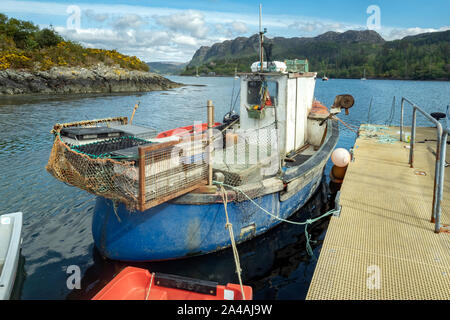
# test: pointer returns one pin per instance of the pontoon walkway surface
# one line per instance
(383, 246)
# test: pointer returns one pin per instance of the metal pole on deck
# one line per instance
(437, 171)
(210, 109)
(401, 118)
(440, 184)
(413, 138)
(261, 38)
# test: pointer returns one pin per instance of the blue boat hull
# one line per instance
(171, 230)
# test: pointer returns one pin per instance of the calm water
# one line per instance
(57, 218)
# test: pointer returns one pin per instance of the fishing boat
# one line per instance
(164, 196)
(10, 243)
(139, 284)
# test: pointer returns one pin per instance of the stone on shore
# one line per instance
(97, 79)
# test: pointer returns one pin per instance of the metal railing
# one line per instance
(441, 139)
(440, 183)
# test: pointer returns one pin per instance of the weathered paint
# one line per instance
(171, 230)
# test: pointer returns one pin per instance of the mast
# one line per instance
(261, 38)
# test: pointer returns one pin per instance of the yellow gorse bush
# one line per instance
(67, 53)
(25, 46)
(13, 59)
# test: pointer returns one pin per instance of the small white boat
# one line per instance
(364, 76)
(10, 243)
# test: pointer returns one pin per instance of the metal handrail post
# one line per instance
(437, 170)
(440, 156)
(413, 138)
(440, 184)
(401, 118)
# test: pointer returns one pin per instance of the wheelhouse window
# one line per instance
(256, 91)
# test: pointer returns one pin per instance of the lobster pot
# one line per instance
(168, 170)
(128, 169)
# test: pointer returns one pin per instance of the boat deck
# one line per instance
(383, 246)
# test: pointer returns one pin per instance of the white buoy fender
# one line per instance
(340, 157)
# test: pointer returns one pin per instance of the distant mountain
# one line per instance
(166, 68)
(339, 55)
(242, 46)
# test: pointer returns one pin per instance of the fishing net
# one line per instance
(128, 169)
(381, 133)
(108, 178)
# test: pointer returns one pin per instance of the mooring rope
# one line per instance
(305, 223)
(229, 226)
(349, 126)
(150, 286)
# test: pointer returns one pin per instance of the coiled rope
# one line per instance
(305, 223)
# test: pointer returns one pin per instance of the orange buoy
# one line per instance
(339, 172)
(319, 110)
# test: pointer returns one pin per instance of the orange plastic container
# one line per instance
(134, 284)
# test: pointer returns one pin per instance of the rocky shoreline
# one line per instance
(69, 80)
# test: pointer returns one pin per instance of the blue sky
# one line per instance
(172, 30)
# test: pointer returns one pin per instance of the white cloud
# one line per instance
(128, 21)
(317, 27)
(239, 27)
(399, 33)
(92, 15)
(191, 21)
(230, 30)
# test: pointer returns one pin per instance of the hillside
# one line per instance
(338, 55)
(34, 60)
(166, 68)
(24, 45)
